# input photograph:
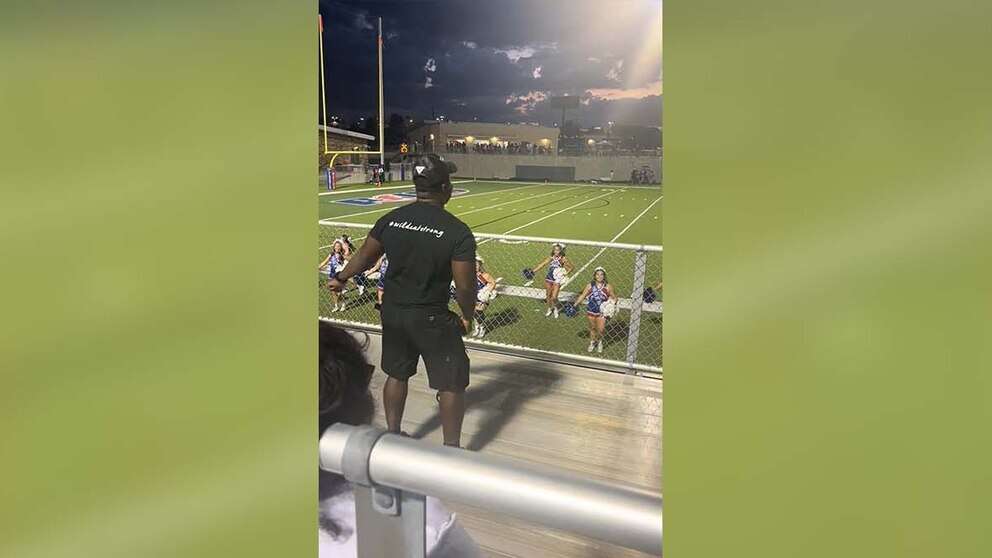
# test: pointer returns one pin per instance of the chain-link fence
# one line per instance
(530, 308)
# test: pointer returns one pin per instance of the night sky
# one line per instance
(497, 60)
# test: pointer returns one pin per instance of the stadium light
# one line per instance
(432, 136)
(591, 141)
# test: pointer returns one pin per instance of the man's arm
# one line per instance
(370, 252)
(542, 264)
(373, 269)
(464, 275)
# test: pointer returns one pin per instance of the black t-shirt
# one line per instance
(421, 240)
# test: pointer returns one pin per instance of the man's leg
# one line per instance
(399, 362)
(452, 413)
(394, 402)
(447, 370)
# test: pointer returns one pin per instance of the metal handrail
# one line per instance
(549, 497)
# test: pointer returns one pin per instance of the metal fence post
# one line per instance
(388, 521)
(636, 304)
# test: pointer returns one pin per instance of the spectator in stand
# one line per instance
(343, 378)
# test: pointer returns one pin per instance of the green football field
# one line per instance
(579, 211)
(598, 213)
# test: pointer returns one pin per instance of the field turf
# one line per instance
(600, 213)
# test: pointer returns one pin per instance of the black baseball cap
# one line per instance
(430, 172)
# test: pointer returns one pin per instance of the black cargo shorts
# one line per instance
(409, 333)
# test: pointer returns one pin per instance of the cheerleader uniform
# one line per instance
(382, 274)
(597, 296)
(556, 262)
(337, 261)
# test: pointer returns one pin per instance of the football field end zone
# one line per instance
(381, 188)
(467, 194)
(486, 181)
(643, 370)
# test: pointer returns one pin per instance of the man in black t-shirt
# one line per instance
(427, 248)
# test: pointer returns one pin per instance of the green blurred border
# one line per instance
(156, 229)
(827, 223)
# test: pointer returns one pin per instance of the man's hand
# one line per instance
(463, 273)
(335, 284)
(466, 326)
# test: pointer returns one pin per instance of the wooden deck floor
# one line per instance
(597, 424)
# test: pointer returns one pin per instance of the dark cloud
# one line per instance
(476, 55)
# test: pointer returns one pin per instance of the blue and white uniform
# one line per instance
(597, 296)
(556, 262)
(480, 283)
(382, 274)
(337, 260)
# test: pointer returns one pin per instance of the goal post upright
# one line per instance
(382, 127)
(323, 90)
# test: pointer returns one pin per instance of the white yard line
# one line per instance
(486, 208)
(560, 211)
(392, 207)
(614, 239)
(581, 184)
(512, 201)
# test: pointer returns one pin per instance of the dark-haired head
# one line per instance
(343, 377)
(599, 275)
(432, 178)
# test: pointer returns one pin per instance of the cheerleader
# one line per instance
(485, 286)
(598, 291)
(378, 274)
(559, 267)
(349, 250)
(348, 247)
(333, 263)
